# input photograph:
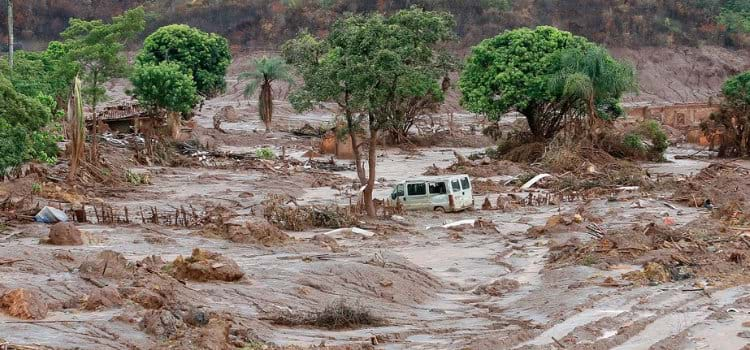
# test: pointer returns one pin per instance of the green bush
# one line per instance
(265, 153)
(634, 142)
(14, 146)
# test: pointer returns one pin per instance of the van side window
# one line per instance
(438, 188)
(465, 183)
(416, 189)
(400, 191)
(456, 185)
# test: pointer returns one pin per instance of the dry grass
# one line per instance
(337, 315)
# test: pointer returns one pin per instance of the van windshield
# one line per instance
(465, 183)
(438, 188)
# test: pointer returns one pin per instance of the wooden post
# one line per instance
(10, 34)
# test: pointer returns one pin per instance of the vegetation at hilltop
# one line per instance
(631, 23)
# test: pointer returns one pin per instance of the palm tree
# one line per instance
(590, 78)
(267, 70)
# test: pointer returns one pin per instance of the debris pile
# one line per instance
(203, 266)
(720, 185)
(703, 248)
(277, 211)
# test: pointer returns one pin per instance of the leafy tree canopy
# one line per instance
(205, 56)
(20, 110)
(736, 90)
(550, 76)
(98, 48)
(509, 71)
(164, 87)
(591, 80)
(47, 72)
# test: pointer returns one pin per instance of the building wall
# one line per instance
(685, 117)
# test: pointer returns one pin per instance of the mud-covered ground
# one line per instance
(496, 284)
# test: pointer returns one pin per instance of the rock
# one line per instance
(25, 304)
(195, 317)
(744, 334)
(103, 298)
(160, 323)
(106, 264)
(64, 233)
(328, 242)
(205, 266)
(498, 288)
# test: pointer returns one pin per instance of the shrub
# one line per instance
(634, 142)
(265, 153)
(336, 315)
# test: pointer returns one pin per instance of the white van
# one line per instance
(442, 193)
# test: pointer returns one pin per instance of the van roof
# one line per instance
(435, 178)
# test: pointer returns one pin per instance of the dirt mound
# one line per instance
(249, 233)
(64, 233)
(385, 276)
(103, 298)
(498, 288)
(106, 264)
(205, 266)
(152, 289)
(23, 303)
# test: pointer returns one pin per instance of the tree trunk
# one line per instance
(355, 148)
(95, 129)
(266, 104)
(371, 161)
(10, 34)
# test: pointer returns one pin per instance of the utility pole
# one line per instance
(10, 34)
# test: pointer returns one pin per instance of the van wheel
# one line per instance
(440, 209)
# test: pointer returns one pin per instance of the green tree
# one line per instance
(328, 77)
(383, 64)
(733, 119)
(266, 71)
(549, 76)
(205, 56)
(98, 48)
(164, 87)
